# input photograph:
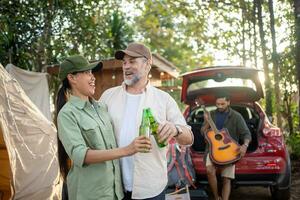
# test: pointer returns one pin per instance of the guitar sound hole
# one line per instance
(218, 137)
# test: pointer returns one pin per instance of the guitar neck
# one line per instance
(210, 121)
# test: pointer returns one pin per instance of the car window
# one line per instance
(197, 115)
(228, 82)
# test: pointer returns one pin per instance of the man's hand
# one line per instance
(205, 117)
(243, 150)
(206, 126)
(166, 132)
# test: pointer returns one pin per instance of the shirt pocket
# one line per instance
(92, 135)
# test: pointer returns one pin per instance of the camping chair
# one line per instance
(179, 194)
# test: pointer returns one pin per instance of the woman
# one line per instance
(86, 133)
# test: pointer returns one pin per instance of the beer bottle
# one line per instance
(145, 127)
(154, 128)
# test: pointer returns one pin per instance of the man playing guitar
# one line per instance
(224, 117)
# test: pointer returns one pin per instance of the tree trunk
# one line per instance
(43, 44)
(297, 32)
(288, 113)
(269, 109)
(275, 60)
(51, 14)
(254, 33)
(243, 32)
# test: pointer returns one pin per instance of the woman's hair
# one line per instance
(62, 97)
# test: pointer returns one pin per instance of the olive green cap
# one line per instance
(76, 63)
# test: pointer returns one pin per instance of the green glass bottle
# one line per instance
(145, 129)
(154, 128)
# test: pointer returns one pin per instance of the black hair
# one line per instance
(223, 94)
(98, 67)
(60, 102)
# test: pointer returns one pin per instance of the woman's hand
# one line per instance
(139, 144)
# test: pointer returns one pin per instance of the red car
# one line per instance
(267, 162)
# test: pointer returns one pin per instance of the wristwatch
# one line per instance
(179, 130)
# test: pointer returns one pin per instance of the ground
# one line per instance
(295, 195)
(261, 193)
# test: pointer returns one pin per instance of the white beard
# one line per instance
(132, 81)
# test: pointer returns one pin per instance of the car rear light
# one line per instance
(271, 165)
(271, 131)
(275, 164)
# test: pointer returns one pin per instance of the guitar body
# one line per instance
(223, 149)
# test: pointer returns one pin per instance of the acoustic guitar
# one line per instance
(223, 149)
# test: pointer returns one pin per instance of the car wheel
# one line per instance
(280, 194)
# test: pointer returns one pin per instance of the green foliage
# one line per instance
(21, 26)
(293, 142)
(168, 27)
(288, 81)
(92, 28)
(38, 33)
(190, 34)
(119, 32)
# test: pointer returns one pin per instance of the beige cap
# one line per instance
(134, 50)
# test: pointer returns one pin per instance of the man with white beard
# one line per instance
(144, 174)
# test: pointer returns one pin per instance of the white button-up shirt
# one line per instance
(150, 169)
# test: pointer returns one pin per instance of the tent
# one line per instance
(31, 145)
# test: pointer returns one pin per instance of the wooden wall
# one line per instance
(5, 191)
(106, 79)
(112, 75)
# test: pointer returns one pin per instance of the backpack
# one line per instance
(180, 167)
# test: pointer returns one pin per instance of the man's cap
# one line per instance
(77, 63)
(134, 50)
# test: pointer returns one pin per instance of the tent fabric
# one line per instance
(35, 85)
(31, 142)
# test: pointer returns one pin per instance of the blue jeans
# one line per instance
(161, 196)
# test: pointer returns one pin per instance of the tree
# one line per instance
(297, 49)
(275, 60)
(269, 107)
(188, 33)
(168, 27)
(119, 33)
(24, 30)
(34, 34)
(253, 20)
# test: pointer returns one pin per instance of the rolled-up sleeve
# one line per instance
(69, 134)
(174, 114)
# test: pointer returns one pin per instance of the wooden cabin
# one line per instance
(5, 171)
(162, 74)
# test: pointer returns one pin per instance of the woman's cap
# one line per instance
(76, 63)
(134, 50)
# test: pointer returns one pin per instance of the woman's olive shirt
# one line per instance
(81, 126)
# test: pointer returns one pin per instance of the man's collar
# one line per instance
(229, 111)
(145, 89)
